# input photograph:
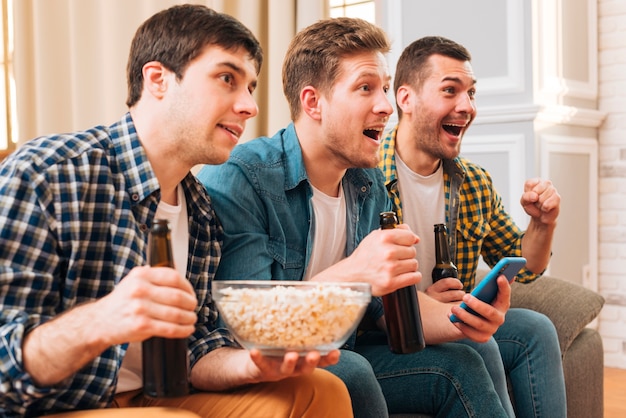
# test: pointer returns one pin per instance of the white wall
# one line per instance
(612, 185)
(549, 73)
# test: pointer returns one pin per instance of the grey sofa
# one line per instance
(571, 308)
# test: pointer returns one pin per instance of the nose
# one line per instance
(383, 105)
(246, 105)
(466, 104)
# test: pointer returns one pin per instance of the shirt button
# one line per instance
(363, 189)
(143, 227)
(134, 197)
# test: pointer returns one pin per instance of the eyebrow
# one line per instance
(372, 74)
(456, 80)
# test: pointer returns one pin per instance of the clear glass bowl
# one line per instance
(279, 316)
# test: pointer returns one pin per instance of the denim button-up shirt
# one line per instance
(262, 196)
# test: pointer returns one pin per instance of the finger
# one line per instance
(503, 298)
(138, 296)
(528, 200)
(472, 333)
(402, 253)
(466, 317)
(484, 310)
(446, 284)
(550, 200)
(402, 235)
(406, 278)
(329, 359)
(448, 296)
(171, 314)
(310, 362)
(172, 300)
(530, 184)
(168, 329)
(167, 276)
(257, 358)
(169, 288)
(290, 361)
(541, 186)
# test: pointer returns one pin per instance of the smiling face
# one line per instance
(208, 108)
(436, 116)
(355, 112)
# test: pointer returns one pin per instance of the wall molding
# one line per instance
(572, 116)
(549, 39)
(561, 144)
(513, 81)
(389, 16)
(514, 147)
(557, 114)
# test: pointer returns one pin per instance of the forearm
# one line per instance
(537, 245)
(435, 322)
(59, 348)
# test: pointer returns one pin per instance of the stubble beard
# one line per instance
(351, 157)
(429, 141)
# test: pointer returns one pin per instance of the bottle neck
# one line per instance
(388, 220)
(442, 251)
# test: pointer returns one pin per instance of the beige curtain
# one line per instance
(70, 58)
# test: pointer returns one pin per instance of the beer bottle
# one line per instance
(165, 360)
(402, 314)
(444, 267)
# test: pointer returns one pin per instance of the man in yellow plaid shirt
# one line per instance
(430, 184)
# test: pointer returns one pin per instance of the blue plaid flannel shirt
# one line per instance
(75, 211)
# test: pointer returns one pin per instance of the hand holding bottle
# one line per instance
(384, 258)
(402, 314)
(165, 360)
(446, 287)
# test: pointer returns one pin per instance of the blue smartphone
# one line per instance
(487, 289)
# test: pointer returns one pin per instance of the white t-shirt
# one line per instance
(423, 206)
(329, 235)
(131, 375)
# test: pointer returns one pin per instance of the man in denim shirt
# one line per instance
(305, 204)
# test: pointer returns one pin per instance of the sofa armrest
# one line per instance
(569, 306)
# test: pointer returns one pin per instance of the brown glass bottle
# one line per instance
(165, 360)
(402, 313)
(444, 267)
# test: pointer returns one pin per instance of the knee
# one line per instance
(356, 372)
(458, 367)
(330, 385)
(529, 322)
(324, 395)
(468, 357)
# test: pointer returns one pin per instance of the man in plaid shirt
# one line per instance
(430, 184)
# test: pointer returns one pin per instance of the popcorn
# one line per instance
(299, 318)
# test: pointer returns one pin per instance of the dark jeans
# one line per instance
(446, 380)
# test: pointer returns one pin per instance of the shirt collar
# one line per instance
(132, 159)
(295, 172)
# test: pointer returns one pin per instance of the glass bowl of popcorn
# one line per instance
(279, 316)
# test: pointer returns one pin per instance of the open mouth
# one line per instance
(372, 133)
(453, 129)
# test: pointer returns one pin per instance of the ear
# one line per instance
(405, 97)
(310, 102)
(154, 78)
